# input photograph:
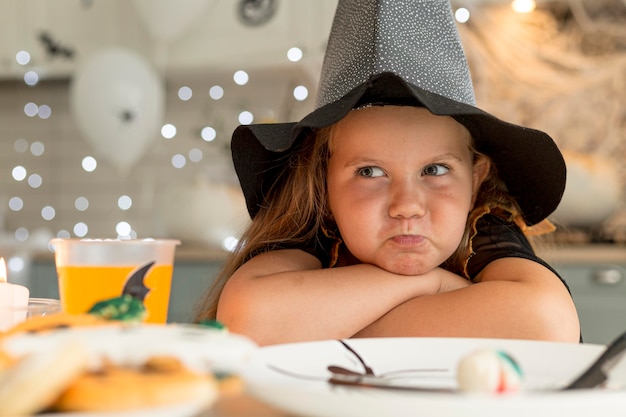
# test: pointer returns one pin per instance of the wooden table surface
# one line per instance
(243, 405)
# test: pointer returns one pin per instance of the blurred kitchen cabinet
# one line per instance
(599, 292)
(59, 34)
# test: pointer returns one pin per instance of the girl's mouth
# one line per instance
(408, 240)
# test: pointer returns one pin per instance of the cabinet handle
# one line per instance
(610, 276)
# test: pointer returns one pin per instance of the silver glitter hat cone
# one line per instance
(417, 40)
(402, 52)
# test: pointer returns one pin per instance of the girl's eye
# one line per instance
(435, 170)
(370, 172)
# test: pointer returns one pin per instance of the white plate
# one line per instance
(301, 386)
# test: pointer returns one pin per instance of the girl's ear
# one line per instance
(480, 171)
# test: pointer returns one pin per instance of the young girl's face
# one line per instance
(401, 183)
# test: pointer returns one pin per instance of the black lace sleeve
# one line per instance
(497, 238)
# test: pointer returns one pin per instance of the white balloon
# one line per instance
(168, 19)
(118, 102)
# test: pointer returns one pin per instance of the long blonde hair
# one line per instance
(296, 208)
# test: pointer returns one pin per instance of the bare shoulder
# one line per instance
(273, 262)
(539, 293)
(518, 270)
(258, 291)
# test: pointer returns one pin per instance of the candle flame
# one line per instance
(3, 270)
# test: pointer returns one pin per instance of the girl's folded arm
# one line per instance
(286, 295)
(515, 298)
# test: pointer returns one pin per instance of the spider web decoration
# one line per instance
(561, 69)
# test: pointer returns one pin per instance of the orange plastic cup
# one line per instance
(94, 270)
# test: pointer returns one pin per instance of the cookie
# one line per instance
(6, 360)
(37, 379)
(161, 381)
(56, 321)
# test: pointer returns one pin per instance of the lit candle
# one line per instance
(13, 300)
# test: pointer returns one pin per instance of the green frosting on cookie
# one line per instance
(214, 324)
(124, 308)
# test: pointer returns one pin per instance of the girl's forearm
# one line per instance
(309, 304)
(537, 306)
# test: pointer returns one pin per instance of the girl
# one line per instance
(389, 211)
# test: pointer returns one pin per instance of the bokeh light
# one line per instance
(81, 203)
(89, 163)
(241, 77)
(245, 118)
(48, 213)
(37, 148)
(44, 111)
(31, 78)
(16, 203)
(20, 145)
(81, 229)
(179, 161)
(21, 234)
(208, 134)
(523, 6)
(35, 180)
(124, 202)
(300, 93)
(123, 229)
(19, 173)
(31, 109)
(294, 54)
(168, 131)
(195, 155)
(462, 15)
(216, 92)
(230, 243)
(22, 57)
(185, 93)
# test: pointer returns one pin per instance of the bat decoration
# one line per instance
(135, 285)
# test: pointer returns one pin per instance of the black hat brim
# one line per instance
(528, 160)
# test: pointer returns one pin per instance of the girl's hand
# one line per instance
(450, 281)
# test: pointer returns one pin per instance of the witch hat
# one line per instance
(404, 52)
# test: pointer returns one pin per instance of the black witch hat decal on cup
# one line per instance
(135, 284)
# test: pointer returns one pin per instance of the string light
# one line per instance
(168, 131)
(185, 93)
(216, 92)
(462, 15)
(523, 6)
(241, 77)
(294, 54)
(22, 57)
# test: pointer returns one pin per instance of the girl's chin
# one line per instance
(408, 269)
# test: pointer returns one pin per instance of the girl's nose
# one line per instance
(406, 201)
